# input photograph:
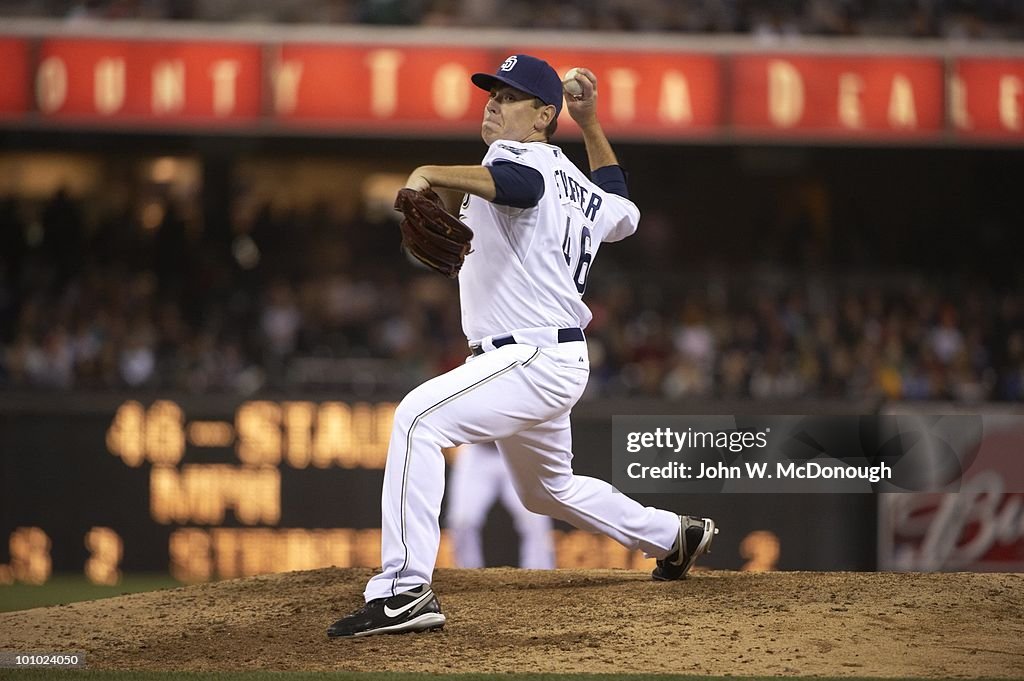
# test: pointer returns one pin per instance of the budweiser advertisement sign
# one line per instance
(280, 84)
(978, 528)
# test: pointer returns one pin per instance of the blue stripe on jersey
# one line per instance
(612, 179)
(516, 185)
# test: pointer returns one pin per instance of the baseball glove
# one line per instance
(436, 238)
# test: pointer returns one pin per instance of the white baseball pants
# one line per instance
(478, 478)
(519, 396)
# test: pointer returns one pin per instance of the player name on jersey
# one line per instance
(569, 188)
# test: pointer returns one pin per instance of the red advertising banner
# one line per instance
(429, 90)
(648, 94)
(152, 82)
(978, 528)
(13, 78)
(987, 98)
(380, 88)
(424, 89)
(843, 96)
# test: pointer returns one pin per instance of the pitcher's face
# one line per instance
(512, 114)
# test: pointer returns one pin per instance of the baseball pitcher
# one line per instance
(536, 223)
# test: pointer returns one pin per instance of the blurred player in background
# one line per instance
(478, 478)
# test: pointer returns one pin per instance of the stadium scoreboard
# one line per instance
(211, 491)
(271, 486)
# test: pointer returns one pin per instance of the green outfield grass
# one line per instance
(73, 588)
(87, 675)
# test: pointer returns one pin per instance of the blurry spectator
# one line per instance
(24, 361)
(137, 362)
(774, 23)
(774, 378)
(945, 338)
(693, 338)
(62, 234)
(170, 245)
(1011, 379)
(442, 13)
(279, 323)
(87, 9)
(734, 374)
(766, 19)
(685, 379)
(392, 12)
(830, 17)
(114, 322)
(88, 341)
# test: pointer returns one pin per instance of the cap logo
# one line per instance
(509, 63)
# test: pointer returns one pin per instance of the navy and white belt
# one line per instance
(564, 336)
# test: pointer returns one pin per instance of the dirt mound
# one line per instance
(608, 621)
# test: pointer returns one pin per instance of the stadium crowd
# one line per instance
(766, 19)
(105, 303)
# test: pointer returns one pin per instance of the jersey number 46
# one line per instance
(585, 250)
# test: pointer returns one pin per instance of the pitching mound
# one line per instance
(503, 620)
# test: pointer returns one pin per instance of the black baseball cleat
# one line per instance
(695, 536)
(413, 610)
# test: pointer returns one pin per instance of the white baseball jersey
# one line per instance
(531, 270)
(525, 277)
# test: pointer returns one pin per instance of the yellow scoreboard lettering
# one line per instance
(371, 431)
(199, 554)
(366, 548)
(126, 435)
(258, 553)
(762, 549)
(256, 496)
(202, 493)
(574, 549)
(156, 435)
(579, 549)
(259, 433)
(264, 434)
(332, 442)
(165, 433)
(105, 552)
(211, 433)
(191, 560)
(30, 555)
(298, 428)
(354, 436)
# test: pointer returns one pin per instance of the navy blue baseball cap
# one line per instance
(531, 75)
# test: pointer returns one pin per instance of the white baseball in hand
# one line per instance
(571, 85)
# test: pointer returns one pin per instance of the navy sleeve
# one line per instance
(612, 179)
(516, 185)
